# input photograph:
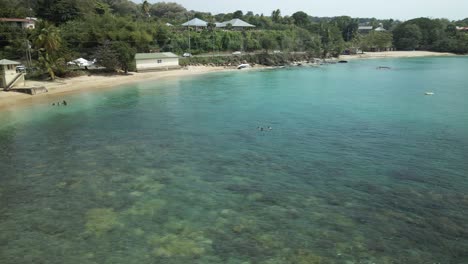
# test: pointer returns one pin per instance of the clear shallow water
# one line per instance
(360, 167)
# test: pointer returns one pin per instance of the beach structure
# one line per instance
(12, 78)
(156, 61)
(26, 23)
(236, 23)
(9, 76)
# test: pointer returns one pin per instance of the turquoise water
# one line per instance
(359, 167)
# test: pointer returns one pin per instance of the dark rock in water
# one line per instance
(343, 61)
(407, 176)
(241, 188)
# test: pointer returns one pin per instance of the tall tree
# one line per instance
(145, 8)
(238, 14)
(276, 16)
(347, 25)
(60, 11)
(407, 37)
(301, 19)
(125, 55)
(48, 42)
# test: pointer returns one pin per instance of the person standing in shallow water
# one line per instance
(64, 103)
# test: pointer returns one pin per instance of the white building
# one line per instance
(9, 77)
(156, 61)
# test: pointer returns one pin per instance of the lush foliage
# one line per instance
(86, 28)
(430, 34)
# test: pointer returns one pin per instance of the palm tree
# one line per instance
(146, 8)
(49, 39)
(48, 42)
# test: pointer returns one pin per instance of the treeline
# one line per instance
(113, 30)
(431, 34)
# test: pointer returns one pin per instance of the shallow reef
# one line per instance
(101, 220)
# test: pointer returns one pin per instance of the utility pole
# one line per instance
(188, 29)
(28, 45)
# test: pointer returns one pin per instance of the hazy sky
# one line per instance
(400, 9)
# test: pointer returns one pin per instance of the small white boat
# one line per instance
(429, 93)
(243, 66)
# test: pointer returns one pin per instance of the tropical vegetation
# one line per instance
(111, 31)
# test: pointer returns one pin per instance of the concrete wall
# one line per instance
(8, 74)
(156, 64)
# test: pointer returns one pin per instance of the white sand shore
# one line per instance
(395, 54)
(85, 83)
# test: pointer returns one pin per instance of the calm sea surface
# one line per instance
(359, 167)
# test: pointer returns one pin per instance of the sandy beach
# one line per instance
(61, 87)
(395, 54)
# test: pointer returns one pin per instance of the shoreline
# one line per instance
(62, 87)
(396, 54)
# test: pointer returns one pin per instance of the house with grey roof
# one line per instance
(195, 23)
(235, 23)
(365, 29)
(156, 61)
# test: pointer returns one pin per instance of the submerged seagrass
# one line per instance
(359, 167)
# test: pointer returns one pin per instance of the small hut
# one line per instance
(9, 76)
(156, 61)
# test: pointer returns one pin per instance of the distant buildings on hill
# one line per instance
(236, 23)
(364, 29)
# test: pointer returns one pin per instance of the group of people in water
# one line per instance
(264, 128)
(64, 103)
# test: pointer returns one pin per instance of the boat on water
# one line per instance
(342, 61)
(429, 93)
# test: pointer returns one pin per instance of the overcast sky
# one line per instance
(399, 9)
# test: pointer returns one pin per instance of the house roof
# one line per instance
(235, 23)
(16, 20)
(380, 29)
(365, 28)
(8, 62)
(195, 23)
(158, 55)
